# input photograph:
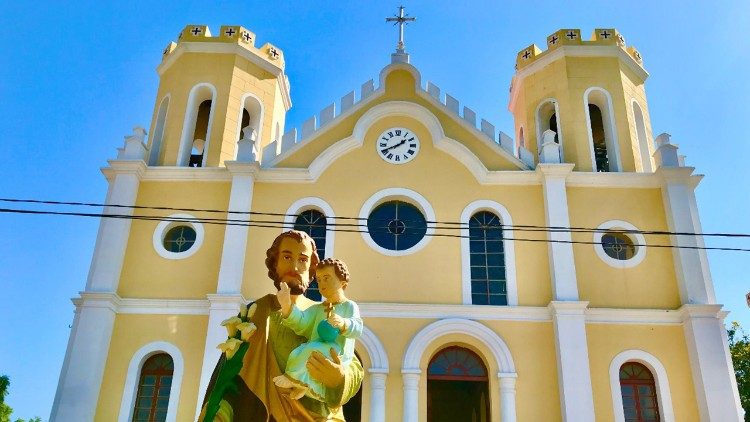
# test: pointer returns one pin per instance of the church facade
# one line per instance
(532, 277)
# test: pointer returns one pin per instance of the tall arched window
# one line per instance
(487, 260)
(602, 131)
(641, 134)
(196, 132)
(521, 141)
(154, 385)
(457, 387)
(158, 132)
(251, 114)
(546, 119)
(313, 222)
(639, 399)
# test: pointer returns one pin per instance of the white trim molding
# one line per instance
(134, 371)
(157, 132)
(508, 249)
(645, 145)
(412, 372)
(663, 395)
(318, 204)
(406, 195)
(637, 238)
(164, 226)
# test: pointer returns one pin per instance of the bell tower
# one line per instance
(583, 102)
(210, 89)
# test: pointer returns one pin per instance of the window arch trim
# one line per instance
(508, 249)
(157, 133)
(641, 135)
(133, 375)
(610, 128)
(318, 204)
(540, 123)
(664, 397)
(195, 98)
(258, 122)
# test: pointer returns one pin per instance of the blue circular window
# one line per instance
(396, 225)
(179, 239)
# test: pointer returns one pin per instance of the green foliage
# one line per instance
(5, 410)
(739, 348)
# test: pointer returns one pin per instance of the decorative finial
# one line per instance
(401, 19)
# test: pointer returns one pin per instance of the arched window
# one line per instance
(641, 134)
(158, 132)
(154, 385)
(487, 260)
(602, 131)
(639, 399)
(521, 141)
(313, 222)
(546, 119)
(196, 131)
(457, 387)
(251, 114)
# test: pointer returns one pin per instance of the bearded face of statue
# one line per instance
(293, 264)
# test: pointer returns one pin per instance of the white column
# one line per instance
(220, 308)
(713, 373)
(112, 238)
(235, 237)
(377, 395)
(83, 368)
(411, 394)
(507, 397)
(573, 372)
(562, 265)
(691, 265)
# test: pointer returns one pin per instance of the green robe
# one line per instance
(258, 399)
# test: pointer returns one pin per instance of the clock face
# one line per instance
(397, 145)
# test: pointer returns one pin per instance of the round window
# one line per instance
(179, 239)
(396, 225)
(618, 246)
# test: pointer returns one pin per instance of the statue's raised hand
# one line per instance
(284, 297)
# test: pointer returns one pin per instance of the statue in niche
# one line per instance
(321, 375)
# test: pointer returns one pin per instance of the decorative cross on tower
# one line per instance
(229, 32)
(400, 20)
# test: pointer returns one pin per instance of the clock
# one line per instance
(397, 145)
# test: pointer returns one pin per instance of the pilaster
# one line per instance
(713, 374)
(85, 358)
(561, 262)
(681, 208)
(235, 236)
(507, 397)
(220, 308)
(574, 374)
(411, 394)
(112, 239)
(377, 395)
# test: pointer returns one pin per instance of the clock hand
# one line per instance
(394, 146)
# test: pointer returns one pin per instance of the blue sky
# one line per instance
(75, 77)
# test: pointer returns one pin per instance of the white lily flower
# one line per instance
(243, 311)
(231, 325)
(230, 347)
(247, 329)
(251, 310)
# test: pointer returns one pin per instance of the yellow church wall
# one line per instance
(448, 190)
(145, 273)
(400, 87)
(650, 284)
(130, 333)
(666, 343)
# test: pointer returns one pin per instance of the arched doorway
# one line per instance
(457, 387)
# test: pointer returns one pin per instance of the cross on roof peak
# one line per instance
(401, 19)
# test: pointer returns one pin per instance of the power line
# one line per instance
(517, 227)
(282, 225)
